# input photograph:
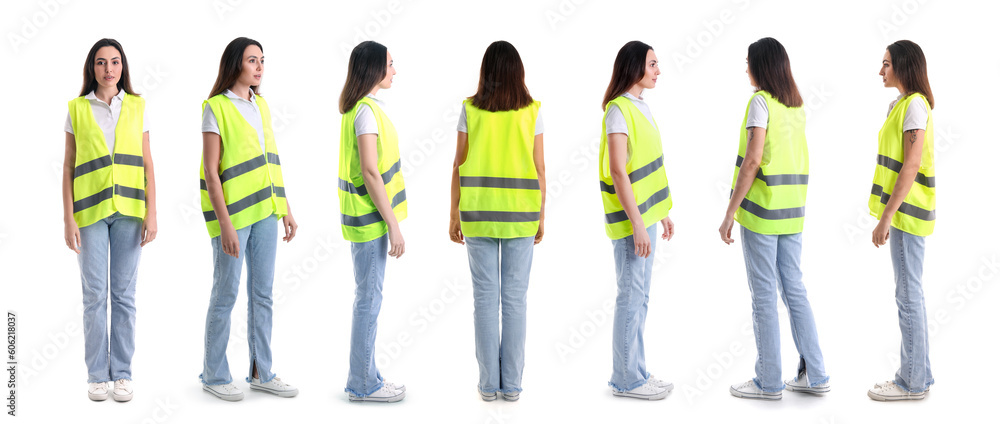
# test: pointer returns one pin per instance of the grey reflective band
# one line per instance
(499, 216)
(387, 175)
(93, 200)
(242, 168)
(203, 185)
(499, 182)
(92, 166)
(398, 198)
(132, 193)
(609, 188)
(904, 208)
(239, 205)
(351, 188)
(278, 190)
(777, 179)
(123, 159)
(657, 197)
(636, 175)
(772, 214)
(273, 158)
(739, 160)
(897, 166)
(360, 221)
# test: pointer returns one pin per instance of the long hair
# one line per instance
(910, 67)
(90, 78)
(769, 65)
(501, 80)
(231, 65)
(630, 67)
(365, 70)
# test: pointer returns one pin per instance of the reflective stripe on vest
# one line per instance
(645, 173)
(251, 179)
(917, 213)
(500, 194)
(776, 202)
(360, 220)
(102, 185)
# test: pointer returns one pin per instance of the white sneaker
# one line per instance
(275, 387)
(750, 390)
(660, 383)
(801, 384)
(646, 391)
(487, 396)
(512, 396)
(123, 390)
(394, 386)
(227, 391)
(889, 391)
(383, 394)
(97, 391)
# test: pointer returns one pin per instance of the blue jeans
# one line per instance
(369, 259)
(118, 237)
(914, 372)
(772, 263)
(635, 277)
(258, 245)
(500, 269)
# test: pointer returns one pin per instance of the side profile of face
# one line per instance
(253, 66)
(753, 82)
(389, 72)
(886, 71)
(652, 71)
(108, 66)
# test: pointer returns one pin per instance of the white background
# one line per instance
(698, 330)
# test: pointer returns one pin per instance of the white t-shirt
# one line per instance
(364, 121)
(758, 113)
(615, 120)
(107, 116)
(463, 122)
(916, 114)
(248, 109)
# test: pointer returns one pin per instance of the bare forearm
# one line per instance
(744, 180)
(456, 192)
(623, 189)
(67, 193)
(376, 191)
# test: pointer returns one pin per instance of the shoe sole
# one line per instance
(810, 390)
(97, 398)
(658, 396)
(279, 393)
(396, 398)
(739, 394)
(122, 398)
(513, 398)
(880, 398)
(223, 396)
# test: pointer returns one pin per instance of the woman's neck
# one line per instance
(105, 94)
(243, 91)
(636, 91)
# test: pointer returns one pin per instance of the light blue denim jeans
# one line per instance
(115, 238)
(258, 245)
(635, 277)
(500, 270)
(907, 251)
(772, 263)
(369, 259)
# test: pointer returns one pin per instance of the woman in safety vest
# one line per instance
(109, 208)
(372, 203)
(242, 198)
(498, 211)
(636, 196)
(768, 200)
(902, 198)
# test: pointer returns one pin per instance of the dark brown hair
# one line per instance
(501, 80)
(910, 67)
(90, 78)
(231, 65)
(769, 65)
(630, 67)
(366, 68)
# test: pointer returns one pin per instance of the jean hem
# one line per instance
(824, 380)
(632, 387)
(202, 378)
(359, 394)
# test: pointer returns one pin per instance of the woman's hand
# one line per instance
(71, 234)
(540, 233)
(726, 229)
(641, 240)
(291, 228)
(148, 229)
(668, 228)
(396, 244)
(455, 231)
(230, 241)
(881, 232)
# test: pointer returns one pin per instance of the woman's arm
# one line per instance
(748, 173)
(539, 157)
(149, 223)
(913, 147)
(618, 154)
(455, 223)
(212, 154)
(368, 150)
(291, 227)
(71, 232)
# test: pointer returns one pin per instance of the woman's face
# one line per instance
(253, 66)
(652, 71)
(753, 82)
(389, 72)
(108, 66)
(887, 73)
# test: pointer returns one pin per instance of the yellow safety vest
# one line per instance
(645, 172)
(360, 220)
(500, 195)
(776, 202)
(917, 213)
(104, 183)
(251, 179)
